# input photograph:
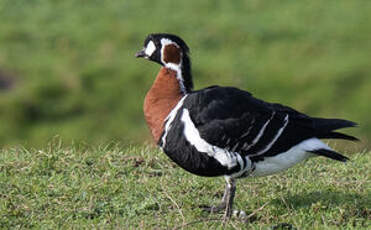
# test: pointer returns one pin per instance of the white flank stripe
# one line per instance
(274, 139)
(285, 160)
(261, 132)
(249, 129)
(224, 157)
(170, 118)
(235, 147)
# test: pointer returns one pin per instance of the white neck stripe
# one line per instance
(179, 76)
(173, 66)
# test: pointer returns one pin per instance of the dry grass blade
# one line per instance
(196, 222)
(255, 211)
(173, 201)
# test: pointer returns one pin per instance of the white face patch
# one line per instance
(150, 48)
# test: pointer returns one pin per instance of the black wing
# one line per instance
(233, 119)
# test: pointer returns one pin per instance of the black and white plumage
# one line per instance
(225, 131)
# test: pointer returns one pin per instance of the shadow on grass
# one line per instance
(355, 207)
(325, 198)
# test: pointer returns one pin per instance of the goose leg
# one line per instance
(219, 207)
(227, 200)
(231, 188)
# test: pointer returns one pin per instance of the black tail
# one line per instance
(332, 124)
(330, 154)
(325, 128)
(337, 135)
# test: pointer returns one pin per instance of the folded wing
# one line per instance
(233, 119)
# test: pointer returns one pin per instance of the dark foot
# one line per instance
(283, 226)
(213, 209)
(227, 201)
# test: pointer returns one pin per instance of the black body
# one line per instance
(231, 118)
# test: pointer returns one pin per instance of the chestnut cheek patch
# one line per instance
(172, 54)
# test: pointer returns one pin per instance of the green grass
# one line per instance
(74, 72)
(127, 187)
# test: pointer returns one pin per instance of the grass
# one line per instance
(129, 187)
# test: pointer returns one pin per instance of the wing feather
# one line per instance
(234, 120)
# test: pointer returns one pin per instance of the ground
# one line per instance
(129, 187)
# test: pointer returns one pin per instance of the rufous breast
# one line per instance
(163, 96)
